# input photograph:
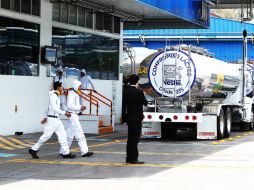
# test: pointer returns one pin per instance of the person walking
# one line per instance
(74, 128)
(54, 124)
(134, 100)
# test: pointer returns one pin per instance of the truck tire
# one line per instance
(228, 115)
(220, 124)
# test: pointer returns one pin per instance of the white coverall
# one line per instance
(62, 97)
(74, 128)
(86, 83)
(54, 125)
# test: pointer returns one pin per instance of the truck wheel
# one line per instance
(220, 125)
(228, 115)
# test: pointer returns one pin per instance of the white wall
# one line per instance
(30, 94)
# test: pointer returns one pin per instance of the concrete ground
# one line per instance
(176, 164)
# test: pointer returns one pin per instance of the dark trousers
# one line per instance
(134, 131)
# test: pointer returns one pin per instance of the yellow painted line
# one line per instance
(231, 138)
(5, 147)
(10, 143)
(89, 163)
(18, 141)
(29, 142)
(110, 135)
(98, 145)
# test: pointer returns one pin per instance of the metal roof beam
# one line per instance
(100, 8)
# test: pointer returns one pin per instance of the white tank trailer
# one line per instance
(189, 91)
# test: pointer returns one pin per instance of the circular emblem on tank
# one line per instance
(171, 74)
(249, 69)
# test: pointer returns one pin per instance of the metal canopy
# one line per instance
(145, 14)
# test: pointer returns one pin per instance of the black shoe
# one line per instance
(33, 153)
(70, 155)
(135, 162)
(88, 154)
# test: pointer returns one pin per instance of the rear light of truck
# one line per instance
(161, 117)
(194, 117)
(175, 117)
(187, 117)
(149, 117)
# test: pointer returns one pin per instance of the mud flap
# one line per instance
(207, 129)
(151, 130)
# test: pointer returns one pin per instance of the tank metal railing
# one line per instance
(169, 102)
(98, 97)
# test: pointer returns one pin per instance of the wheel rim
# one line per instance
(229, 118)
(222, 123)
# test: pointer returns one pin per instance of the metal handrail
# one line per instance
(87, 98)
(100, 98)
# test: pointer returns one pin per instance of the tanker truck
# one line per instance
(190, 90)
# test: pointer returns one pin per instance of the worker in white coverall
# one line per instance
(86, 83)
(54, 124)
(59, 77)
(74, 128)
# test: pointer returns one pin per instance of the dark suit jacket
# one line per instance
(134, 100)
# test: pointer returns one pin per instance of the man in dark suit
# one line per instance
(134, 100)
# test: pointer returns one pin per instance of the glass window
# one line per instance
(72, 14)
(5, 4)
(19, 48)
(108, 23)
(64, 13)
(36, 7)
(117, 25)
(89, 18)
(98, 55)
(16, 5)
(81, 16)
(99, 21)
(56, 12)
(26, 6)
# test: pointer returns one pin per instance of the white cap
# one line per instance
(83, 71)
(76, 84)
